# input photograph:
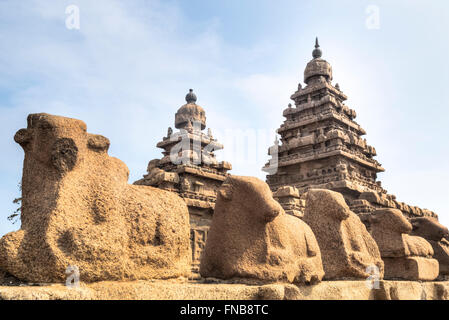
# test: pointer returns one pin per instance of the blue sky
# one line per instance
(126, 71)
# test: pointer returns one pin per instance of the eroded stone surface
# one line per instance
(437, 235)
(199, 290)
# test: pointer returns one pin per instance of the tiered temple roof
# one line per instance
(322, 145)
(321, 142)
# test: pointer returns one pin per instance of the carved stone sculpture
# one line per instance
(290, 200)
(405, 256)
(347, 249)
(437, 235)
(78, 210)
(252, 237)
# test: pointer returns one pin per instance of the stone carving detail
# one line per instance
(252, 237)
(437, 235)
(78, 210)
(347, 248)
(160, 178)
(376, 200)
(198, 238)
(405, 256)
(290, 200)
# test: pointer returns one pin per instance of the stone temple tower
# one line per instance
(321, 143)
(322, 147)
(189, 168)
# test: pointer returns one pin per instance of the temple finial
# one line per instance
(317, 51)
(191, 97)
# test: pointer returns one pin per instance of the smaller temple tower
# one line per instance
(189, 167)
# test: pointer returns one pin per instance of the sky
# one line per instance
(127, 68)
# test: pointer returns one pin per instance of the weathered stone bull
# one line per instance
(79, 210)
(347, 248)
(252, 237)
(405, 256)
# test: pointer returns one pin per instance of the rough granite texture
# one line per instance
(78, 209)
(437, 235)
(346, 246)
(406, 257)
(181, 289)
(252, 237)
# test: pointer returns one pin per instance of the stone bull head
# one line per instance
(48, 140)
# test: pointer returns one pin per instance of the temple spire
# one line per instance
(317, 51)
(191, 97)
